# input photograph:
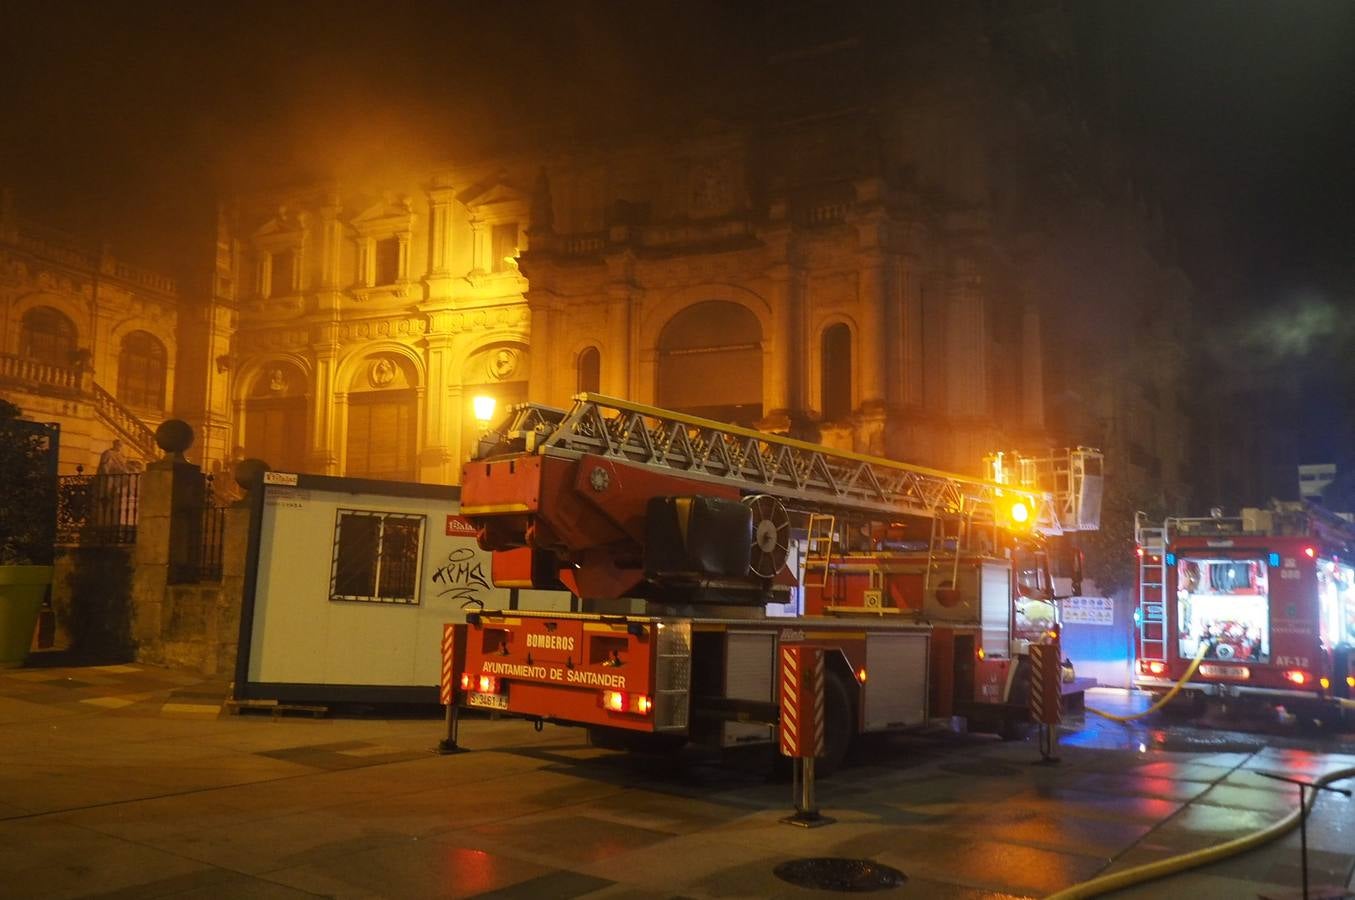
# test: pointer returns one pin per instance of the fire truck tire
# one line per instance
(839, 725)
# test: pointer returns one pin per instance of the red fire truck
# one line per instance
(1267, 597)
(698, 547)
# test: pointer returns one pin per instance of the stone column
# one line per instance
(618, 362)
(438, 461)
(872, 293)
(440, 217)
(479, 232)
(784, 388)
(323, 436)
(540, 376)
(169, 520)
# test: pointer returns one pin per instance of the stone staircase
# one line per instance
(124, 423)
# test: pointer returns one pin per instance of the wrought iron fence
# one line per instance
(97, 509)
(213, 540)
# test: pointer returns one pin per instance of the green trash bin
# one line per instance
(21, 591)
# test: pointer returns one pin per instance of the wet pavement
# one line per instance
(129, 781)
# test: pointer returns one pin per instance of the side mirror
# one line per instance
(1077, 571)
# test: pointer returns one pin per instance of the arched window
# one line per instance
(47, 336)
(710, 363)
(590, 370)
(836, 361)
(141, 371)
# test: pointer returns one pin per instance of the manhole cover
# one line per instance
(982, 767)
(852, 876)
(1191, 743)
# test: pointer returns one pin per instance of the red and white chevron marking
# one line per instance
(1046, 701)
(802, 701)
(448, 633)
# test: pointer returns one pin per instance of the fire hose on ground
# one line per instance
(1170, 866)
(1164, 699)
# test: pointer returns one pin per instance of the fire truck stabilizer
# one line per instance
(1265, 599)
(698, 547)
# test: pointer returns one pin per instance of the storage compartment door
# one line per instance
(896, 686)
(748, 676)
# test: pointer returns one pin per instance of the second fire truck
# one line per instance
(699, 547)
(1266, 599)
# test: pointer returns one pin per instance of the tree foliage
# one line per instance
(27, 491)
(1110, 556)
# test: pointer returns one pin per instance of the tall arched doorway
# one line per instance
(710, 363)
(275, 418)
(383, 420)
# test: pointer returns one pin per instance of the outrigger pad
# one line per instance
(697, 537)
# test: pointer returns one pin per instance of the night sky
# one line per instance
(126, 120)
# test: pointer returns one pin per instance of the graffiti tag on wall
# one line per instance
(461, 577)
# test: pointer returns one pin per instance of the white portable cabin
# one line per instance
(348, 584)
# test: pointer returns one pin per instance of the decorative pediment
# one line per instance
(287, 226)
(496, 199)
(391, 214)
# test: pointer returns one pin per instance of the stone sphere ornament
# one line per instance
(249, 472)
(174, 436)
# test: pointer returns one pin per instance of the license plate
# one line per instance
(1212, 671)
(488, 701)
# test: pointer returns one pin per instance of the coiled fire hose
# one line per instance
(1165, 699)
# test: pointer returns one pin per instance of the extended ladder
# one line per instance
(1152, 549)
(756, 462)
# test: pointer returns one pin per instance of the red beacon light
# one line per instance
(1296, 676)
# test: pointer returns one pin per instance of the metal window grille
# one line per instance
(376, 557)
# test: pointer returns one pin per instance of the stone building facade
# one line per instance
(86, 340)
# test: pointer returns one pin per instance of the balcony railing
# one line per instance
(31, 371)
(97, 509)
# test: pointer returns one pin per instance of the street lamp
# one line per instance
(483, 407)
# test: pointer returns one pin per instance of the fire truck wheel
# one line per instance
(839, 724)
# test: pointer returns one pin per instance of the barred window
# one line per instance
(141, 371)
(376, 557)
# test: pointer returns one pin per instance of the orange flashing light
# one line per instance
(1296, 676)
(1350, 681)
(1325, 682)
(1310, 552)
(981, 655)
(861, 674)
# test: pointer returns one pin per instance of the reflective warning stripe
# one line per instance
(448, 632)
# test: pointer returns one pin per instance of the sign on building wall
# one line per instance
(1088, 611)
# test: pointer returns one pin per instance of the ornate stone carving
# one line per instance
(381, 373)
(277, 380)
(503, 363)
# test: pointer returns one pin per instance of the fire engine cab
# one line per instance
(698, 548)
(1267, 599)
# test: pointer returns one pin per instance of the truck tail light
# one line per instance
(1325, 682)
(480, 684)
(1350, 681)
(622, 702)
(1152, 666)
(1296, 676)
